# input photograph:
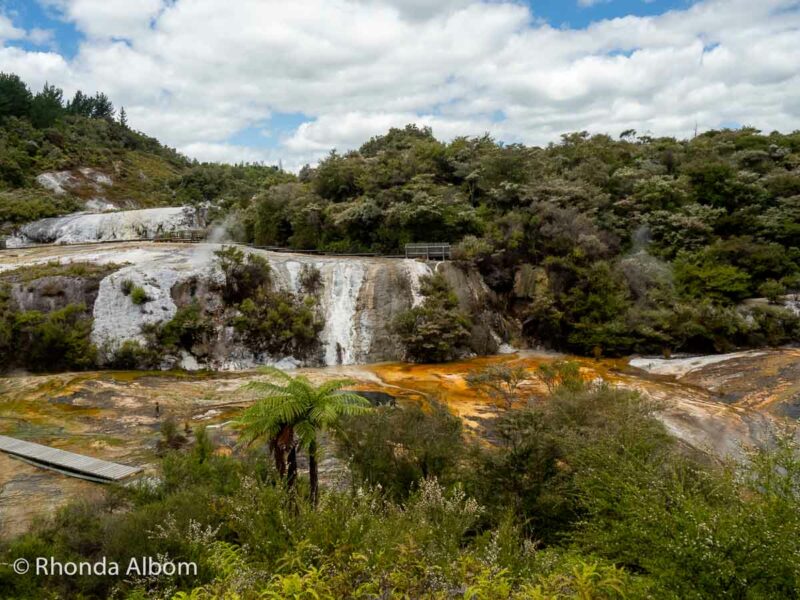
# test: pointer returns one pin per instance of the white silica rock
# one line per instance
(117, 318)
(359, 298)
(99, 205)
(96, 177)
(680, 367)
(416, 270)
(356, 308)
(343, 336)
(56, 181)
(107, 226)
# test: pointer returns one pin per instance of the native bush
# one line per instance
(243, 273)
(138, 295)
(279, 323)
(772, 290)
(437, 330)
(582, 495)
(397, 447)
(55, 341)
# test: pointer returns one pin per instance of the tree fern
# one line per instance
(295, 407)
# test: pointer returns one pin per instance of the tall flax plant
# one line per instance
(290, 414)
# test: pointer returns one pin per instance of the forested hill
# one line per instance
(593, 244)
(596, 245)
(86, 151)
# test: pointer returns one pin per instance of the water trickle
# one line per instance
(342, 285)
(416, 269)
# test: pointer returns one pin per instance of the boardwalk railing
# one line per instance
(185, 235)
(428, 251)
(418, 251)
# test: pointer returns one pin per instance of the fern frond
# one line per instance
(306, 433)
(333, 386)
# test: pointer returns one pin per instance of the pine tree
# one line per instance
(103, 108)
(15, 98)
(123, 117)
(81, 104)
(47, 106)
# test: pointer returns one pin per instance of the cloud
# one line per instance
(420, 9)
(35, 68)
(194, 73)
(224, 152)
(108, 18)
(41, 37)
(8, 31)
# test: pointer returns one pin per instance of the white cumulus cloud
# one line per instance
(195, 72)
(8, 31)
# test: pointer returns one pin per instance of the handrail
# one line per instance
(428, 251)
(443, 253)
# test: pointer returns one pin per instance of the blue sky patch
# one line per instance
(28, 15)
(574, 15)
(269, 133)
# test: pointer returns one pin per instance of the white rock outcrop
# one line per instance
(108, 226)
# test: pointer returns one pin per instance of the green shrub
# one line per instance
(56, 341)
(279, 323)
(243, 274)
(126, 287)
(703, 279)
(190, 329)
(54, 268)
(471, 248)
(437, 330)
(131, 354)
(273, 321)
(700, 532)
(310, 280)
(769, 326)
(171, 437)
(397, 447)
(138, 295)
(24, 205)
(772, 290)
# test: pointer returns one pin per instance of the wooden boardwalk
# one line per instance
(68, 463)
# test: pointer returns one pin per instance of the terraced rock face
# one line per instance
(720, 404)
(359, 298)
(764, 380)
(108, 226)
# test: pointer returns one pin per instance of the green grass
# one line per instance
(54, 268)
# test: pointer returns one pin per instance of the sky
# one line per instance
(270, 81)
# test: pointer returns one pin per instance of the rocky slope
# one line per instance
(108, 226)
(358, 297)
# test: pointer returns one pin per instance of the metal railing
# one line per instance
(185, 235)
(412, 251)
(428, 251)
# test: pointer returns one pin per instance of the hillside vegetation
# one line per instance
(581, 496)
(595, 245)
(592, 245)
(85, 137)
